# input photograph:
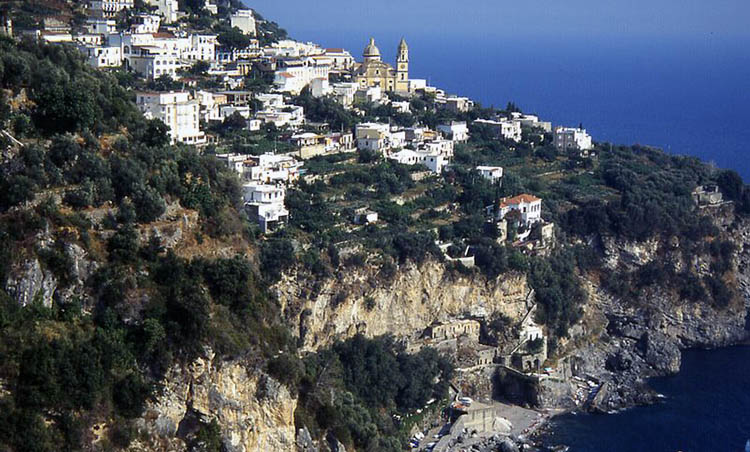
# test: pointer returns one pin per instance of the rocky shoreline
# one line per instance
(633, 390)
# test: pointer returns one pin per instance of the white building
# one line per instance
(202, 47)
(442, 147)
(276, 117)
(435, 162)
(152, 62)
(109, 8)
(244, 20)
(343, 93)
(211, 7)
(226, 111)
(100, 26)
(294, 75)
(532, 121)
(288, 48)
(145, 23)
(320, 87)
(254, 125)
(270, 101)
(274, 168)
(455, 130)
(528, 206)
(363, 215)
(167, 9)
(493, 174)
(265, 204)
(572, 138)
(373, 136)
(507, 129)
(401, 106)
(284, 115)
(369, 94)
(235, 162)
(342, 59)
(88, 39)
(226, 56)
(286, 82)
(455, 104)
(209, 104)
(177, 111)
(417, 84)
(265, 168)
(99, 56)
(55, 36)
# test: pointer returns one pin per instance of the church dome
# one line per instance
(371, 51)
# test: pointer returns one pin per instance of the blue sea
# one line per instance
(686, 95)
(707, 408)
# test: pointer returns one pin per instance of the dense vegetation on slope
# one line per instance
(98, 355)
(94, 174)
(351, 389)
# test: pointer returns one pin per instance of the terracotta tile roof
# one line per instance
(525, 198)
(286, 75)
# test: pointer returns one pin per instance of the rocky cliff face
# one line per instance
(621, 342)
(30, 281)
(254, 412)
(322, 311)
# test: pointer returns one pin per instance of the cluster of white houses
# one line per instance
(158, 45)
(412, 145)
(265, 178)
(154, 45)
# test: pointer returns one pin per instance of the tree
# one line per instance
(64, 108)
(149, 205)
(235, 121)
(123, 246)
(155, 134)
(164, 83)
(199, 68)
(233, 38)
(730, 183)
(15, 190)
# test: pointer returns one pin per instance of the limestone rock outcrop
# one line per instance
(30, 282)
(254, 411)
(325, 310)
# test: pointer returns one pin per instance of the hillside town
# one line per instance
(205, 78)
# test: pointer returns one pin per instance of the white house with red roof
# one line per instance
(529, 206)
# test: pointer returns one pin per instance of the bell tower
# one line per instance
(402, 67)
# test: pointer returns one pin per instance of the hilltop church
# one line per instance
(375, 72)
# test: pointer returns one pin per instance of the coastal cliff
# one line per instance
(253, 411)
(356, 301)
(624, 339)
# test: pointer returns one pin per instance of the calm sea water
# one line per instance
(707, 408)
(685, 95)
